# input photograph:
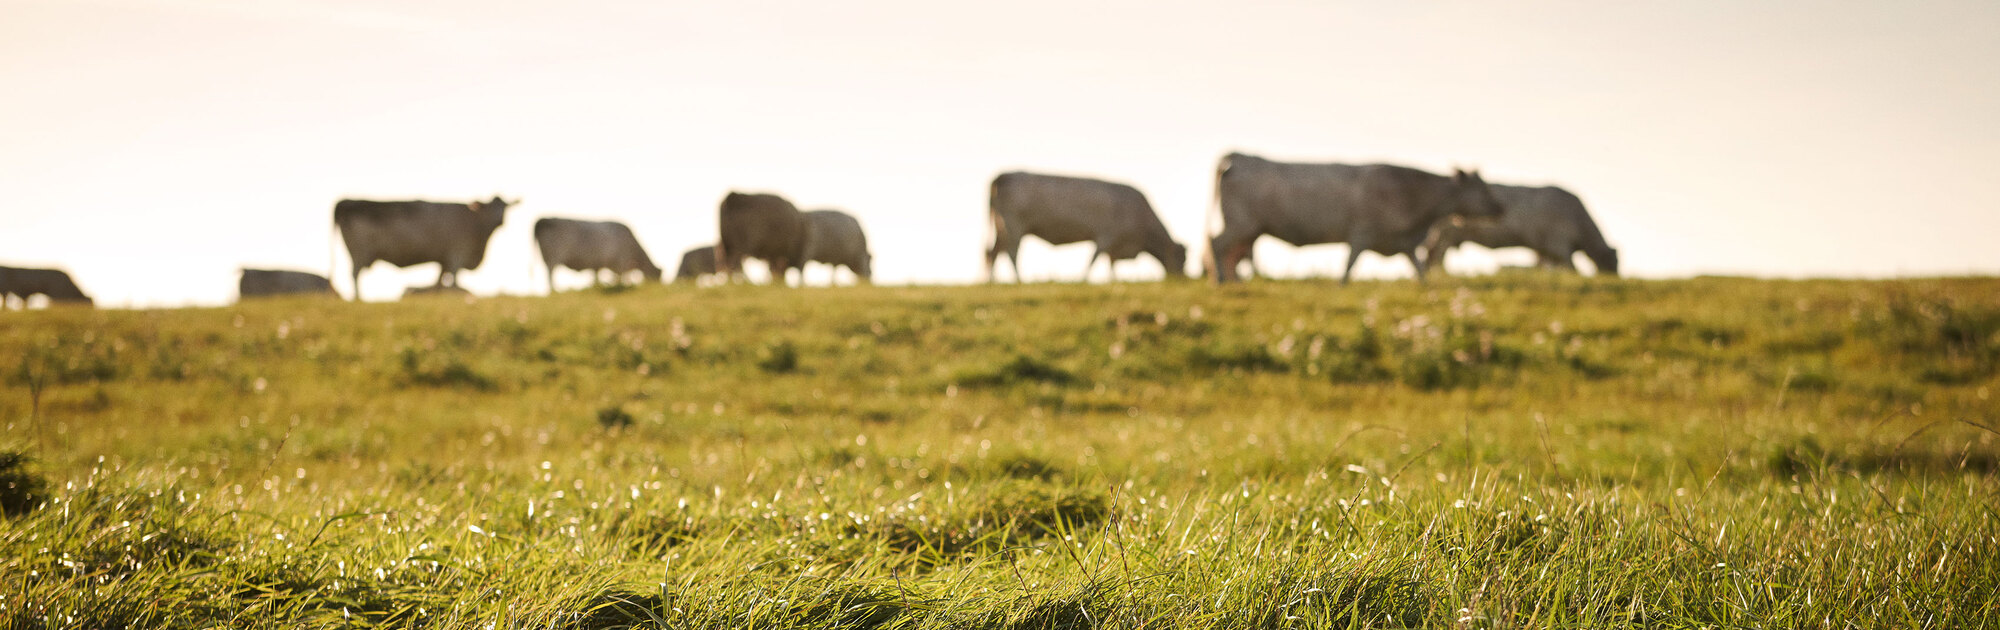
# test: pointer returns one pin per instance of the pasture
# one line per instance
(1524, 450)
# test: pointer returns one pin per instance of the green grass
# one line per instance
(1514, 451)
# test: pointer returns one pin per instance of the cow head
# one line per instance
(1474, 200)
(1606, 260)
(493, 211)
(1174, 258)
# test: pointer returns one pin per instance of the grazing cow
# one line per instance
(265, 282)
(1063, 210)
(696, 263)
(409, 233)
(1382, 208)
(53, 283)
(1546, 219)
(592, 246)
(761, 226)
(436, 290)
(835, 238)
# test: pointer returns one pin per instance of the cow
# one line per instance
(1383, 208)
(1061, 210)
(593, 246)
(835, 238)
(1547, 219)
(761, 226)
(696, 263)
(436, 291)
(267, 282)
(409, 233)
(52, 283)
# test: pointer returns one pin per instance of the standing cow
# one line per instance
(1381, 208)
(1546, 219)
(696, 263)
(267, 282)
(53, 283)
(761, 226)
(409, 233)
(592, 246)
(1063, 210)
(835, 238)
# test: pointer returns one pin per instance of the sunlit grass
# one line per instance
(1522, 451)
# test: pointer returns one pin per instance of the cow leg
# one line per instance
(1010, 245)
(1230, 247)
(358, 266)
(1347, 272)
(992, 253)
(1434, 253)
(781, 272)
(1094, 253)
(1412, 255)
(1566, 263)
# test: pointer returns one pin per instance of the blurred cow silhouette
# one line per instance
(409, 233)
(1063, 210)
(54, 284)
(594, 247)
(695, 264)
(1546, 219)
(761, 226)
(269, 282)
(1382, 208)
(835, 238)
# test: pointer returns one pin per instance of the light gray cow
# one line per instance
(696, 263)
(409, 233)
(762, 226)
(1381, 208)
(835, 238)
(1546, 219)
(269, 282)
(1063, 210)
(592, 246)
(28, 282)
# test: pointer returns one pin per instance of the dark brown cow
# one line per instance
(52, 283)
(761, 226)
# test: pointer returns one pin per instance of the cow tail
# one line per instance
(1209, 216)
(994, 226)
(332, 253)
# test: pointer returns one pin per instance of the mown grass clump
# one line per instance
(1020, 368)
(21, 487)
(422, 369)
(779, 358)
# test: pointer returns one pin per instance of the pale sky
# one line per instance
(151, 147)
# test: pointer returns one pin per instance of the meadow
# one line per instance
(1514, 451)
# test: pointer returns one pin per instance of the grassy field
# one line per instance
(1498, 452)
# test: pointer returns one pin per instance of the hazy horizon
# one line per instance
(153, 147)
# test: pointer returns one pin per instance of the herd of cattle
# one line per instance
(1387, 209)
